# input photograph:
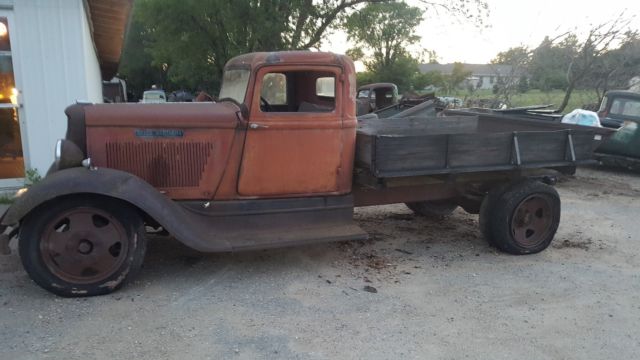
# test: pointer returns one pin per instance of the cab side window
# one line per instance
(298, 91)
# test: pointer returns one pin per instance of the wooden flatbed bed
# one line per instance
(469, 144)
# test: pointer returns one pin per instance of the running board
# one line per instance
(267, 223)
(275, 238)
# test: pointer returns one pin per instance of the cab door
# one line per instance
(293, 145)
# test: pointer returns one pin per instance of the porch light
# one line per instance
(14, 95)
(3, 29)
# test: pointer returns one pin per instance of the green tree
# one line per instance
(517, 60)
(548, 65)
(431, 78)
(193, 39)
(385, 31)
(137, 66)
(381, 34)
(520, 56)
(189, 41)
(587, 54)
(523, 84)
(458, 75)
(615, 68)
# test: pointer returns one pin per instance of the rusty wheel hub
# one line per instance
(84, 245)
(532, 220)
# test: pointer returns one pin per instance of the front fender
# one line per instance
(176, 219)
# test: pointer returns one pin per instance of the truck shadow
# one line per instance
(398, 241)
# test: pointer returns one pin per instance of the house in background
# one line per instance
(634, 84)
(52, 54)
(483, 76)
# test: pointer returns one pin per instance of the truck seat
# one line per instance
(309, 107)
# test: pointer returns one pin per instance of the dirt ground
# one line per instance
(418, 289)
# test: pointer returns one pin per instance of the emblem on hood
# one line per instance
(159, 133)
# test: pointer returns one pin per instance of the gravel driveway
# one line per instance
(418, 289)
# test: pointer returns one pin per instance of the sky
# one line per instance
(512, 23)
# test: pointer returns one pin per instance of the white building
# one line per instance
(483, 76)
(52, 53)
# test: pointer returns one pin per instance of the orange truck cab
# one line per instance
(280, 160)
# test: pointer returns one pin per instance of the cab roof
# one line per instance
(624, 93)
(257, 59)
(377, 86)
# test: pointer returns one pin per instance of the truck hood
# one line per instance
(176, 115)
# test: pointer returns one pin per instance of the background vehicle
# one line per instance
(154, 97)
(619, 106)
(621, 110)
(376, 96)
(180, 96)
(279, 161)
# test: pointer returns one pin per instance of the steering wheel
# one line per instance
(264, 104)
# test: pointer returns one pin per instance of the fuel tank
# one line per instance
(182, 149)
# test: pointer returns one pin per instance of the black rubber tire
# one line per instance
(499, 210)
(486, 209)
(433, 209)
(35, 223)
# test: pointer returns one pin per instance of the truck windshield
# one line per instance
(234, 84)
(363, 94)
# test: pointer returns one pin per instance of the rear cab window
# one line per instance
(626, 108)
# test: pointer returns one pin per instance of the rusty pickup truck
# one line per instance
(280, 160)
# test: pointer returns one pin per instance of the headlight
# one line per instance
(58, 151)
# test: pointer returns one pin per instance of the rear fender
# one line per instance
(121, 185)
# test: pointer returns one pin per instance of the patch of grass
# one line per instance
(6, 199)
(579, 98)
(31, 177)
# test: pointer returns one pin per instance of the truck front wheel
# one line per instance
(521, 218)
(82, 246)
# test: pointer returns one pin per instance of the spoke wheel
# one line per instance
(84, 245)
(520, 218)
(532, 220)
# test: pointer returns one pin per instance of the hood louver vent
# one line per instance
(162, 164)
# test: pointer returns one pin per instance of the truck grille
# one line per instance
(162, 164)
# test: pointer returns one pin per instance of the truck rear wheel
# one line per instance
(486, 208)
(82, 246)
(521, 218)
(434, 209)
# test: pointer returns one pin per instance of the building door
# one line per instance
(12, 165)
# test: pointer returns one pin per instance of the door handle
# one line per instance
(258, 126)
